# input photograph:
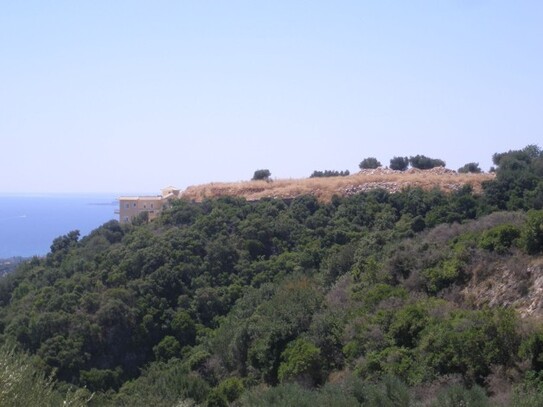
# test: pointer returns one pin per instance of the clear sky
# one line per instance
(131, 96)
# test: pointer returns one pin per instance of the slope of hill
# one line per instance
(326, 187)
(415, 298)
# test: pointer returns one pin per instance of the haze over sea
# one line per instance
(29, 223)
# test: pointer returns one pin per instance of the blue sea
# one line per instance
(28, 224)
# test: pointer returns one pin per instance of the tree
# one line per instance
(141, 218)
(369, 163)
(518, 176)
(471, 168)
(61, 246)
(231, 388)
(65, 242)
(527, 154)
(168, 348)
(277, 322)
(263, 175)
(184, 328)
(399, 163)
(301, 361)
(425, 163)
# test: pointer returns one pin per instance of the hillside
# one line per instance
(326, 187)
(424, 297)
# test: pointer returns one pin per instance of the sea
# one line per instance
(30, 223)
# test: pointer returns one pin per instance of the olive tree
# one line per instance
(261, 175)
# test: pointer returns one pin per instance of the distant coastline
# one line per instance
(30, 222)
(113, 203)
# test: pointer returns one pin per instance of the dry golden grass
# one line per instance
(325, 188)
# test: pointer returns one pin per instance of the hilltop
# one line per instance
(326, 187)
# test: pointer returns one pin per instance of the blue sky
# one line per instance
(131, 96)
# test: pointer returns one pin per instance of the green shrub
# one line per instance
(442, 276)
(500, 238)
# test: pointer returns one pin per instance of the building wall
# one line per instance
(130, 207)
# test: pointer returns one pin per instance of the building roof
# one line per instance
(170, 188)
(140, 198)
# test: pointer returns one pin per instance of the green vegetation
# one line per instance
(21, 384)
(356, 302)
(470, 168)
(369, 163)
(399, 163)
(425, 163)
(329, 173)
(261, 175)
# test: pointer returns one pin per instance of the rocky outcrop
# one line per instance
(517, 283)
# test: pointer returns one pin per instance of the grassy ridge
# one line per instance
(325, 188)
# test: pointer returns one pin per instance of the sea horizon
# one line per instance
(29, 222)
(116, 195)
